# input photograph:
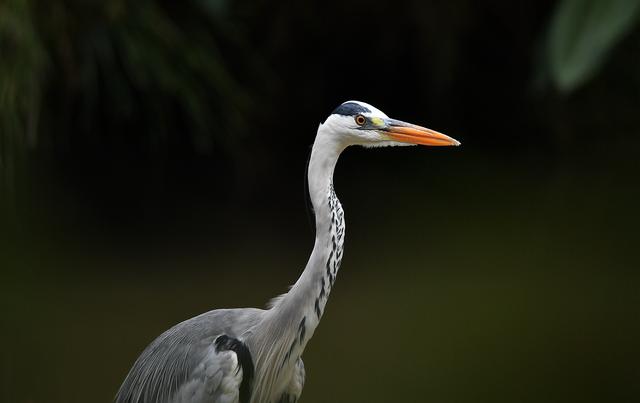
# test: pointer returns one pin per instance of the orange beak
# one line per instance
(409, 133)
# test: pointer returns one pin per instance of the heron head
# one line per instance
(359, 123)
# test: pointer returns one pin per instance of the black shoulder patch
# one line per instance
(225, 342)
(350, 109)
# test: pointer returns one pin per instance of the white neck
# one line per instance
(325, 258)
(294, 316)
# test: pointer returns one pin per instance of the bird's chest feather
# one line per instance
(294, 385)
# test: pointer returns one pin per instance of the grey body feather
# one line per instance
(183, 359)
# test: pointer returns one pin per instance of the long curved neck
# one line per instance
(293, 318)
(307, 298)
(309, 294)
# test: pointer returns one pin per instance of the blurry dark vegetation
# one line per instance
(152, 157)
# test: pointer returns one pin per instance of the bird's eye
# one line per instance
(360, 120)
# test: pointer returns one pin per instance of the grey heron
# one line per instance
(254, 355)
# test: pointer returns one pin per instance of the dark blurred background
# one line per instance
(152, 159)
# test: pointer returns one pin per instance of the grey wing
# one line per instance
(198, 360)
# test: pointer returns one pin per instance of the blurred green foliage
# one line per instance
(22, 70)
(80, 72)
(581, 35)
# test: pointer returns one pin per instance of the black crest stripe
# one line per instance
(350, 109)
